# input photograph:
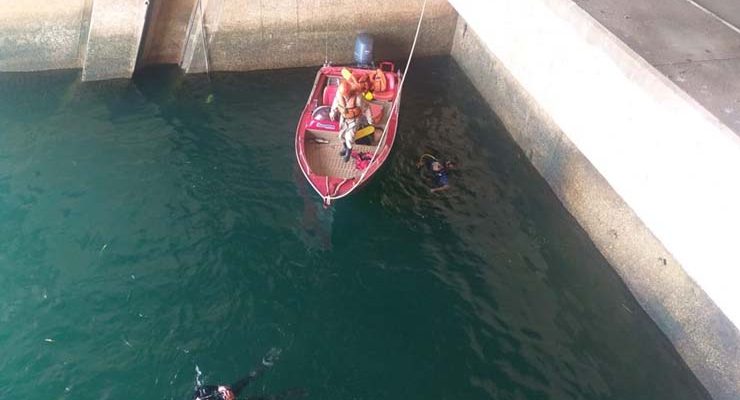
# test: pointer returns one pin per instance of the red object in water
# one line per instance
(317, 143)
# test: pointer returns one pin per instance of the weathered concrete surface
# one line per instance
(689, 41)
(113, 41)
(104, 36)
(38, 36)
(166, 34)
(729, 10)
(648, 172)
(254, 34)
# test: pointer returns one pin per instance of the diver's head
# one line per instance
(226, 393)
(436, 166)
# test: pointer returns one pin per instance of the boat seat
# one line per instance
(391, 85)
(329, 92)
(377, 111)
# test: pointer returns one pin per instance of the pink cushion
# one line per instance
(377, 112)
(390, 78)
(329, 93)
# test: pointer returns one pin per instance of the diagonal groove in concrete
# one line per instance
(714, 15)
(696, 61)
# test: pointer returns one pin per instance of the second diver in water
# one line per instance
(439, 171)
(231, 392)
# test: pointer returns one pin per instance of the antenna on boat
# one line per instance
(204, 40)
(326, 41)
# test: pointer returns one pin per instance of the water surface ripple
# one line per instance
(144, 230)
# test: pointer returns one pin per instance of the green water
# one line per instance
(145, 231)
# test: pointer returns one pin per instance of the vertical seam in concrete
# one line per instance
(297, 24)
(132, 64)
(188, 34)
(85, 21)
(87, 40)
(262, 23)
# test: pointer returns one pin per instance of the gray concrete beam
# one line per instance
(114, 38)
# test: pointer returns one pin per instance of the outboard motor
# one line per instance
(364, 50)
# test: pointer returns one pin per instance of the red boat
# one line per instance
(317, 140)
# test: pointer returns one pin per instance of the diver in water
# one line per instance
(231, 392)
(439, 171)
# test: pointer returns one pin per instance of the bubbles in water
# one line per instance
(198, 376)
(273, 355)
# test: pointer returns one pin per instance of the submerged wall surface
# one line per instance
(646, 170)
(108, 38)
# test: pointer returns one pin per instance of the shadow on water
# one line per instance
(146, 229)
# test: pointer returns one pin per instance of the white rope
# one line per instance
(326, 44)
(398, 97)
(326, 39)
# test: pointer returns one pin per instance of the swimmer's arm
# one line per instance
(439, 189)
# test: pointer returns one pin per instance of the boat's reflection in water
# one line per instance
(316, 220)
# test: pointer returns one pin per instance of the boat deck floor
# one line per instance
(324, 158)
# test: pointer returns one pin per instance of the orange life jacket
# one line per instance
(378, 81)
(349, 111)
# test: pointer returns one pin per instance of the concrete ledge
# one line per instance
(642, 166)
(253, 34)
(37, 36)
(114, 37)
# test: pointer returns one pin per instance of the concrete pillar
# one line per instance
(167, 31)
(113, 40)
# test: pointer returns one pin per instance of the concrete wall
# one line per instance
(114, 37)
(649, 174)
(167, 31)
(104, 37)
(101, 36)
(41, 35)
(253, 34)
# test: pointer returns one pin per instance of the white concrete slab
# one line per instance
(713, 84)
(673, 163)
(688, 40)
